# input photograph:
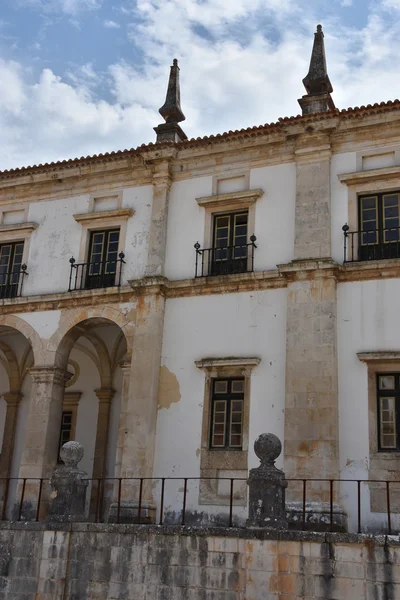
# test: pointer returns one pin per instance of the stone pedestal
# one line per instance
(267, 485)
(69, 485)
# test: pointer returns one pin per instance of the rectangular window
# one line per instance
(102, 259)
(65, 431)
(10, 269)
(230, 250)
(379, 216)
(227, 414)
(388, 386)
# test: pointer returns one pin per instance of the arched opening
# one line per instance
(91, 352)
(16, 358)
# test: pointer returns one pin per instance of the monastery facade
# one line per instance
(167, 304)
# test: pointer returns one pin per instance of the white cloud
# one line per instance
(111, 25)
(347, 3)
(69, 7)
(241, 64)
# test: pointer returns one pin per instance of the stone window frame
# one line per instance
(71, 404)
(97, 221)
(360, 183)
(106, 194)
(382, 465)
(228, 203)
(214, 460)
(18, 232)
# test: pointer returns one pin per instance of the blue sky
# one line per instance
(79, 77)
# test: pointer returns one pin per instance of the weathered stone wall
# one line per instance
(110, 562)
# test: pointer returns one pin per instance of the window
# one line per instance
(227, 414)
(379, 226)
(10, 269)
(66, 430)
(230, 243)
(103, 258)
(388, 396)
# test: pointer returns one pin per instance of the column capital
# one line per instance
(49, 374)
(105, 395)
(12, 398)
(125, 366)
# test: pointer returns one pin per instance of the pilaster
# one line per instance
(159, 215)
(313, 206)
(311, 446)
(139, 417)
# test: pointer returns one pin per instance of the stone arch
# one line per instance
(61, 339)
(28, 332)
(12, 366)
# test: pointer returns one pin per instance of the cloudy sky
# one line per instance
(80, 77)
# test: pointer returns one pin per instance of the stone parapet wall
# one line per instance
(110, 562)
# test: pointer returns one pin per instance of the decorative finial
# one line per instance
(317, 82)
(171, 110)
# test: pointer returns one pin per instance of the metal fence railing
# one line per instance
(28, 499)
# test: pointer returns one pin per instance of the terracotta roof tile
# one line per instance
(347, 113)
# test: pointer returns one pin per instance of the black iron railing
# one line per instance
(28, 499)
(11, 282)
(225, 260)
(374, 244)
(89, 276)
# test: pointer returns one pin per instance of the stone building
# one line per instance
(167, 304)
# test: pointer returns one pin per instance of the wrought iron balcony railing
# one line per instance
(374, 244)
(226, 260)
(95, 275)
(11, 282)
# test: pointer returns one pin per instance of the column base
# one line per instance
(317, 517)
(129, 512)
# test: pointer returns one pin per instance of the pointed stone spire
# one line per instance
(171, 110)
(317, 82)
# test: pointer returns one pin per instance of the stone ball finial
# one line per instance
(267, 447)
(71, 454)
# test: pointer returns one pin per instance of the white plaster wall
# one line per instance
(52, 244)
(340, 163)
(274, 226)
(275, 214)
(137, 231)
(368, 320)
(185, 226)
(243, 324)
(58, 237)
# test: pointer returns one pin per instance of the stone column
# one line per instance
(12, 400)
(126, 377)
(105, 396)
(311, 446)
(40, 451)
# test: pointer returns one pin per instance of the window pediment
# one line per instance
(378, 175)
(233, 200)
(104, 215)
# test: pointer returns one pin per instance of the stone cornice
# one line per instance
(120, 213)
(205, 286)
(384, 356)
(370, 176)
(231, 361)
(26, 228)
(247, 197)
